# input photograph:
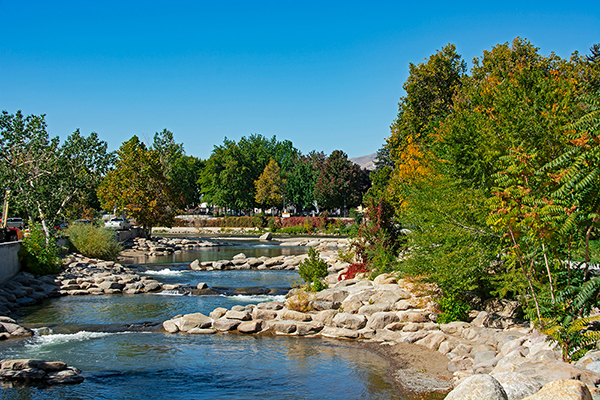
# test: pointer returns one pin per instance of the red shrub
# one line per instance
(353, 269)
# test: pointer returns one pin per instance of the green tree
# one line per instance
(340, 182)
(45, 177)
(138, 185)
(270, 186)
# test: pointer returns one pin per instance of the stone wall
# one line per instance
(9, 260)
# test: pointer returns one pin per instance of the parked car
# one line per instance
(15, 223)
(117, 223)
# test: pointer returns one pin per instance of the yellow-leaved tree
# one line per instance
(270, 186)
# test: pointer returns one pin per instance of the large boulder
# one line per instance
(478, 387)
(517, 386)
(350, 321)
(565, 389)
(195, 320)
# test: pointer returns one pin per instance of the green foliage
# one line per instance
(313, 269)
(270, 186)
(49, 178)
(566, 320)
(139, 185)
(39, 254)
(453, 308)
(340, 182)
(94, 241)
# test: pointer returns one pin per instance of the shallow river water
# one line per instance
(87, 332)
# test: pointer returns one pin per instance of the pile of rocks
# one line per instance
(24, 290)
(391, 311)
(47, 372)
(319, 243)
(83, 276)
(10, 329)
(165, 246)
(241, 262)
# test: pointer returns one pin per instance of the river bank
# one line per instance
(392, 317)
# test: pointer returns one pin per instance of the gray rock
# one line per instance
(266, 236)
(195, 320)
(195, 265)
(333, 332)
(380, 320)
(478, 387)
(224, 324)
(286, 314)
(333, 295)
(565, 389)
(517, 386)
(349, 321)
(239, 315)
(251, 326)
(283, 326)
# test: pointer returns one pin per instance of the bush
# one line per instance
(353, 270)
(453, 308)
(312, 269)
(94, 241)
(36, 255)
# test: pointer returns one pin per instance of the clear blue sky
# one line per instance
(324, 74)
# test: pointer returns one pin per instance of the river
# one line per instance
(90, 332)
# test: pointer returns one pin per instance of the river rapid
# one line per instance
(114, 340)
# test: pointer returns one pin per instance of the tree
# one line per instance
(182, 171)
(340, 182)
(46, 176)
(138, 186)
(270, 186)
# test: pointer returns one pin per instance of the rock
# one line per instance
(195, 265)
(325, 305)
(325, 317)
(349, 321)
(201, 286)
(239, 256)
(414, 316)
(380, 320)
(20, 364)
(266, 315)
(251, 326)
(266, 236)
(52, 366)
(308, 328)
(461, 363)
(517, 386)
(282, 326)
(199, 331)
(333, 332)
(286, 314)
(196, 320)
(333, 295)
(454, 328)
(224, 324)
(218, 312)
(433, 340)
(171, 326)
(478, 387)
(239, 315)
(271, 305)
(412, 326)
(152, 286)
(565, 389)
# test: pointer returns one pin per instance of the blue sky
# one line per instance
(324, 74)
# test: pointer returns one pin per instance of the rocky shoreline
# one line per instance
(389, 316)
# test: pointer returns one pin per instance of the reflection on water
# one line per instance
(222, 366)
(250, 249)
(90, 332)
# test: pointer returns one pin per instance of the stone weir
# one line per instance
(489, 359)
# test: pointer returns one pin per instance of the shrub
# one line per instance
(38, 256)
(312, 269)
(94, 241)
(453, 308)
(301, 300)
(353, 270)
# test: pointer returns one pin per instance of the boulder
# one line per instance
(218, 312)
(195, 265)
(201, 331)
(239, 315)
(195, 320)
(517, 386)
(433, 340)
(478, 387)
(286, 314)
(564, 389)
(225, 324)
(332, 332)
(251, 326)
(266, 315)
(286, 327)
(380, 320)
(350, 321)
(333, 295)
(266, 236)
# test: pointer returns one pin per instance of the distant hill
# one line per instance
(366, 162)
